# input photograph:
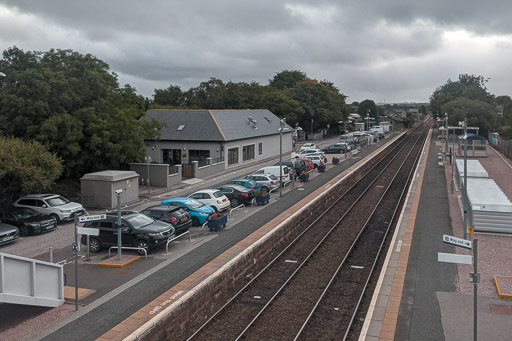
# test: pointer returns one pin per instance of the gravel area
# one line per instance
(494, 252)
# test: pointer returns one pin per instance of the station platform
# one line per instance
(419, 298)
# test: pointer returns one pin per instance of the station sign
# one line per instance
(83, 219)
(88, 231)
(467, 244)
(454, 258)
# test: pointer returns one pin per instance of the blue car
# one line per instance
(198, 211)
(247, 183)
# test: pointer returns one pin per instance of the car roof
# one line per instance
(206, 190)
(11, 209)
(236, 186)
(39, 196)
(162, 208)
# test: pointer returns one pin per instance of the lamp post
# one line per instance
(119, 242)
(465, 194)
(447, 134)
(368, 126)
(147, 163)
(282, 122)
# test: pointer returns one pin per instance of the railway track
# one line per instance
(312, 289)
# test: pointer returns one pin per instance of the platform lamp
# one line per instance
(282, 123)
(147, 163)
(119, 242)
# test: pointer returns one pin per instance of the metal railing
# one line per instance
(129, 248)
(239, 206)
(181, 235)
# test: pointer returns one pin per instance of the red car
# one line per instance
(309, 163)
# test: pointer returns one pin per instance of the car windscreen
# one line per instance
(57, 201)
(194, 204)
(139, 220)
(272, 176)
(25, 213)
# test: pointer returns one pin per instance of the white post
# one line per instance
(119, 242)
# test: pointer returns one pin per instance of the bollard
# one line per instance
(51, 254)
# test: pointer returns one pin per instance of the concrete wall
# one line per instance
(211, 169)
(247, 263)
(158, 174)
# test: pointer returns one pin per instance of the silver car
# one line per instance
(51, 204)
(267, 181)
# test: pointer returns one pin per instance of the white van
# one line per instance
(275, 171)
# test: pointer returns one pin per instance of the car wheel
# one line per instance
(23, 231)
(142, 244)
(215, 209)
(234, 202)
(94, 245)
(264, 189)
(56, 217)
(195, 221)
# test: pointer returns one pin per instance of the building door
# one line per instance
(232, 156)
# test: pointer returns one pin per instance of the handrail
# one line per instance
(179, 236)
(239, 206)
(129, 248)
(273, 189)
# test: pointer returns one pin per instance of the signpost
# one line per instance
(465, 259)
(76, 246)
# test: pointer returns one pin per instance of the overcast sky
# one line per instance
(387, 51)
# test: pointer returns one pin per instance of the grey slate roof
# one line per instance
(214, 125)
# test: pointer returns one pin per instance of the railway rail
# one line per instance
(313, 288)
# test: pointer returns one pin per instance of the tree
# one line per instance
(478, 113)
(72, 104)
(287, 79)
(368, 107)
(25, 167)
(172, 96)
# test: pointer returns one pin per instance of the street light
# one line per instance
(368, 126)
(147, 162)
(282, 122)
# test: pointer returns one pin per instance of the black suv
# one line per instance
(138, 230)
(28, 220)
(177, 216)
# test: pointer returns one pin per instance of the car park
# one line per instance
(27, 220)
(8, 233)
(267, 182)
(246, 183)
(237, 195)
(213, 198)
(138, 230)
(51, 204)
(337, 148)
(317, 160)
(174, 215)
(198, 211)
(276, 171)
(297, 166)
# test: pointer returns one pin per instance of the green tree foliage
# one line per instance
(287, 79)
(72, 103)
(478, 113)
(25, 167)
(172, 96)
(368, 107)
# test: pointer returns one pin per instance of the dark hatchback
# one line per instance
(138, 230)
(237, 194)
(177, 216)
(28, 220)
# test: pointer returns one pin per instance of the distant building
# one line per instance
(395, 114)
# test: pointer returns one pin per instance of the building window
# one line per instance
(248, 152)
(260, 148)
(232, 156)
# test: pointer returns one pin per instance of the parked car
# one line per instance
(138, 230)
(237, 195)
(275, 171)
(307, 146)
(51, 204)
(267, 182)
(8, 233)
(198, 211)
(337, 148)
(308, 151)
(174, 215)
(213, 198)
(297, 166)
(310, 164)
(27, 220)
(246, 183)
(317, 159)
